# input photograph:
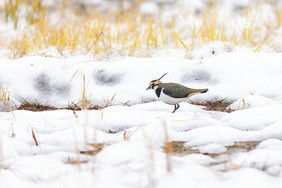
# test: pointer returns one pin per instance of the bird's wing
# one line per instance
(180, 91)
(176, 91)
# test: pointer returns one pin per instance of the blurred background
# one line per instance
(146, 6)
(194, 29)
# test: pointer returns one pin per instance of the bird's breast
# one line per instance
(169, 100)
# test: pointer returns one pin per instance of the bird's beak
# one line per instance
(148, 88)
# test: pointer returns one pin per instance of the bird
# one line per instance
(173, 93)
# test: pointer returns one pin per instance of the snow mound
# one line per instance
(251, 101)
(270, 144)
(209, 50)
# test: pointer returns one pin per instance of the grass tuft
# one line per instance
(35, 106)
(215, 105)
(5, 94)
(98, 147)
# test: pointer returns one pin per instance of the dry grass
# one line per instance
(85, 102)
(5, 94)
(34, 137)
(168, 149)
(221, 105)
(98, 147)
(6, 103)
(243, 146)
(178, 148)
(35, 106)
(126, 33)
(150, 163)
(13, 9)
(214, 105)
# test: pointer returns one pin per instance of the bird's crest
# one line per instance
(163, 75)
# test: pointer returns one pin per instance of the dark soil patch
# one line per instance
(243, 146)
(76, 107)
(178, 148)
(35, 107)
(221, 105)
(112, 131)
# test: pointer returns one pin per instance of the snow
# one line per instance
(134, 135)
(128, 138)
(209, 50)
(149, 8)
(250, 102)
(213, 149)
(58, 81)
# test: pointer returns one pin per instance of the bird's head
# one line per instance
(154, 84)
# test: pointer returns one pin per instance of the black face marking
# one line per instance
(158, 92)
(155, 86)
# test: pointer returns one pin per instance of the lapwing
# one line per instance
(173, 93)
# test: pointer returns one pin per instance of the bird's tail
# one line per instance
(203, 90)
(197, 91)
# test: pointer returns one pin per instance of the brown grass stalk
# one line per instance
(168, 149)
(34, 137)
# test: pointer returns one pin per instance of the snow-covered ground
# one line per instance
(134, 140)
(217, 149)
(58, 81)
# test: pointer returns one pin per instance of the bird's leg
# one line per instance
(174, 109)
(176, 106)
